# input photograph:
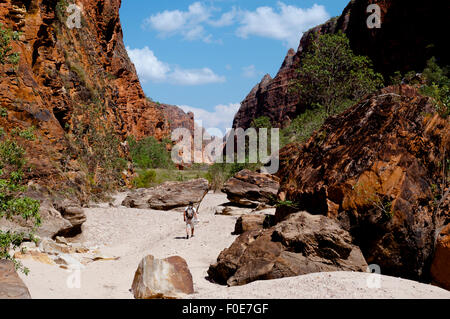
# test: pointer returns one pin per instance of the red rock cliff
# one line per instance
(77, 87)
(410, 34)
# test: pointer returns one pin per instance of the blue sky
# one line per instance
(206, 56)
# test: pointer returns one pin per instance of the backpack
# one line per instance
(190, 212)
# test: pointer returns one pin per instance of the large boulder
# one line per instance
(11, 286)
(64, 220)
(72, 212)
(168, 195)
(301, 244)
(168, 278)
(251, 189)
(440, 269)
(375, 168)
(251, 222)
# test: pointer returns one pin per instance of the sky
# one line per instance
(206, 56)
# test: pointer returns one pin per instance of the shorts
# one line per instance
(190, 223)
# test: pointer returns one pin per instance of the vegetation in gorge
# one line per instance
(13, 204)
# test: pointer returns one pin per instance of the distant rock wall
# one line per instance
(410, 34)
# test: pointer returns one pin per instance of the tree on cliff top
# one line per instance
(331, 74)
(12, 162)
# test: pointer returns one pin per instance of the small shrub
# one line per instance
(144, 179)
(150, 153)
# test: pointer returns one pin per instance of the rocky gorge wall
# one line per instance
(79, 90)
(408, 37)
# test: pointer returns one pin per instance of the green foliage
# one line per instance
(6, 54)
(150, 153)
(12, 204)
(219, 173)
(261, 122)
(437, 86)
(302, 127)
(61, 8)
(144, 179)
(97, 146)
(27, 134)
(331, 74)
(3, 112)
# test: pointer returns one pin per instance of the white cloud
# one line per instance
(221, 118)
(187, 23)
(150, 68)
(249, 71)
(288, 24)
(195, 76)
(227, 19)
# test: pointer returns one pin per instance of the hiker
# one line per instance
(190, 214)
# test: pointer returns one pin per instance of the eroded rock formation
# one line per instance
(375, 168)
(300, 245)
(405, 41)
(168, 278)
(251, 189)
(168, 195)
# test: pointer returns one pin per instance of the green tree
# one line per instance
(331, 73)
(437, 86)
(150, 153)
(12, 161)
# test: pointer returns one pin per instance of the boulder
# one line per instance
(52, 223)
(301, 244)
(72, 212)
(251, 189)
(374, 168)
(169, 195)
(168, 278)
(249, 222)
(440, 269)
(11, 286)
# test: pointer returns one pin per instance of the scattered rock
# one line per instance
(11, 286)
(168, 195)
(51, 247)
(168, 278)
(232, 210)
(34, 255)
(248, 223)
(301, 244)
(440, 269)
(69, 261)
(250, 189)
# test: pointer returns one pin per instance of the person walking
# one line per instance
(190, 214)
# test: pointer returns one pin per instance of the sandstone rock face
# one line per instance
(169, 278)
(247, 223)
(250, 189)
(11, 286)
(374, 169)
(300, 245)
(63, 73)
(60, 221)
(168, 195)
(440, 269)
(406, 40)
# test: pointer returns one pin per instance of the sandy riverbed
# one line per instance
(132, 234)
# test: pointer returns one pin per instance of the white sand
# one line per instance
(132, 234)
